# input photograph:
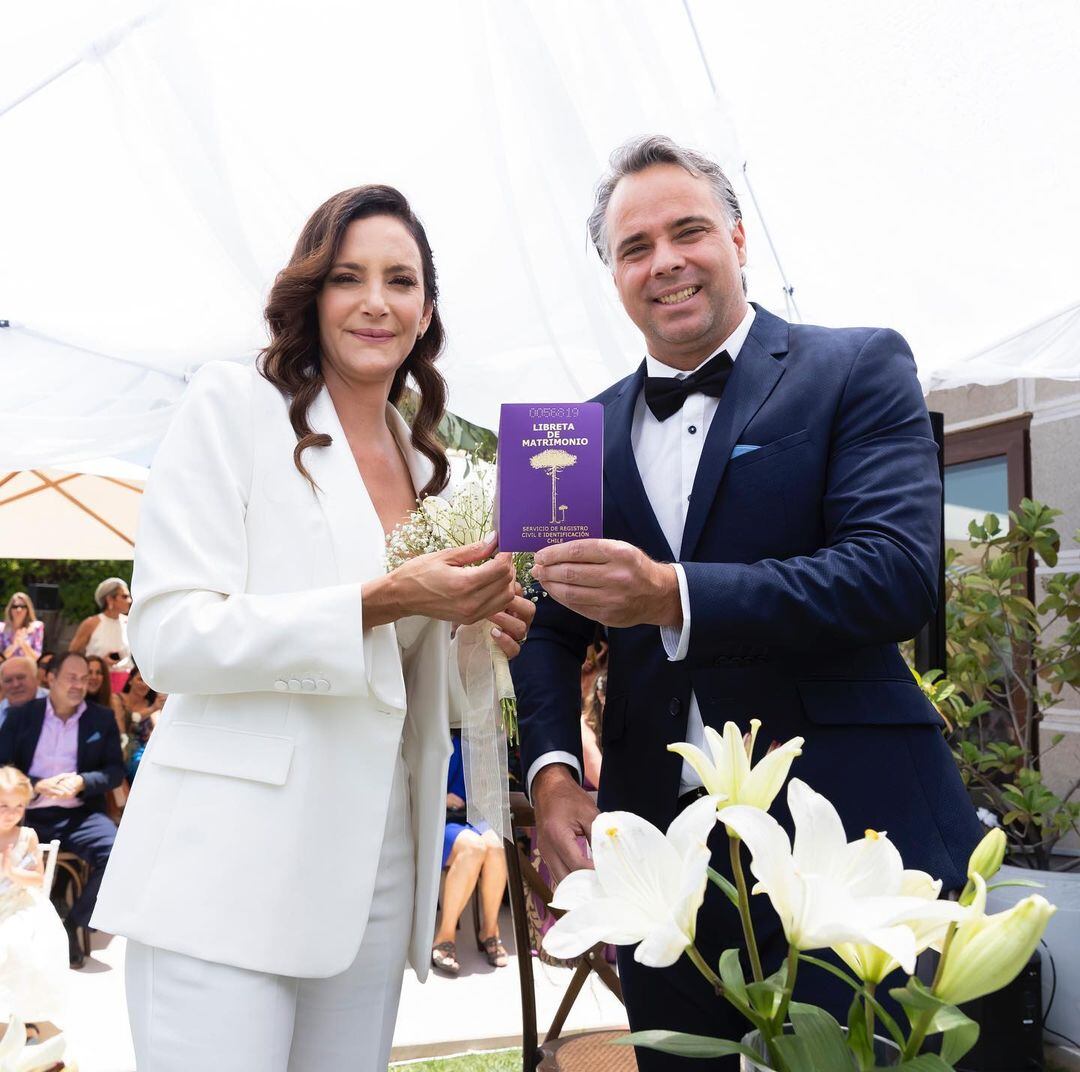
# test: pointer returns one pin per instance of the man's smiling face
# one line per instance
(677, 263)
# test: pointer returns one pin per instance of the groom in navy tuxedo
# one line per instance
(772, 530)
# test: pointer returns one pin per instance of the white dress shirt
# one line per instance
(656, 445)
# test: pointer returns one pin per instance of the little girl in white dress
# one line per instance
(33, 942)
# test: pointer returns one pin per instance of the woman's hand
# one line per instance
(447, 585)
(454, 802)
(511, 625)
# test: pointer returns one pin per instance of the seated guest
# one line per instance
(43, 664)
(475, 860)
(20, 685)
(22, 633)
(99, 691)
(141, 705)
(71, 751)
(33, 948)
(105, 634)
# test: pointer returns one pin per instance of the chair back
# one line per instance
(589, 1050)
(49, 854)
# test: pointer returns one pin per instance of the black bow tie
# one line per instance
(665, 395)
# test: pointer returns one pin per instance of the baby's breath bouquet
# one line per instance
(466, 517)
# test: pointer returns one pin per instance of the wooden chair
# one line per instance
(49, 853)
(77, 872)
(589, 1051)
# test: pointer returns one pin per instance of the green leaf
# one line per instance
(730, 892)
(732, 975)
(817, 1043)
(858, 1037)
(685, 1045)
(959, 1033)
(915, 998)
(927, 1062)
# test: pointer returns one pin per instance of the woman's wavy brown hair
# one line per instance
(293, 361)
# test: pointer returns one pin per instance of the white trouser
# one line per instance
(188, 1014)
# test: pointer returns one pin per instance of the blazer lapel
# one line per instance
(755, 374)
(32, 734)
(621, 473)
(355, 530)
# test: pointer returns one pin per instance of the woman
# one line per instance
(473, 859)
(22, 634)
(140, 705)
(99, 691)
(279, 855)
(106, 634)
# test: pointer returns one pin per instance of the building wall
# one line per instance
(1055, 479)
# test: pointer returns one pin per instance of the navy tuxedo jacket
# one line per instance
(100, 760)
(806, 561)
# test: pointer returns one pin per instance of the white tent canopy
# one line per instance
(914, 167)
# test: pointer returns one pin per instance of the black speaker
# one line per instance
(1010, 1022)
(44, 596)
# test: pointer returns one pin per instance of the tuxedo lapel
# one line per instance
(622, 476)
(752, 380)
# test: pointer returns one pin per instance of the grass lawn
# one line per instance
(499, 1061)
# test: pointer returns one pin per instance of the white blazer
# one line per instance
(253, 830)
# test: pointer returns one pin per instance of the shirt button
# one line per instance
(692, 429)
(294, 684)
(281, 685)
(675, 706)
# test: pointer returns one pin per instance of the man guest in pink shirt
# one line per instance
(70, 749)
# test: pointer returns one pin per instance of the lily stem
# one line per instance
(922, 1025)
(734, 845)
(699, 962)
(868, 1007)
(789, 988)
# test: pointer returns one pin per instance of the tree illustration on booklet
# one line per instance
(553, 462)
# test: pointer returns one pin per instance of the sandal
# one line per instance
(495, 951)
(444, 957)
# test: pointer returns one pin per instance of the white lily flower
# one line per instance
(16, 1056)
(829, 893)
(871, 964)
(729, 774)
(647, 887)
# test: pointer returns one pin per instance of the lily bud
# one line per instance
(989, 854)
(986, 861)
(988, 952)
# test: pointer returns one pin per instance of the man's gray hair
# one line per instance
(637, 155)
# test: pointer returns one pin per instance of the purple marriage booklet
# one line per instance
(550, 475)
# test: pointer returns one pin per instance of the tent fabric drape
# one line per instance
(163, 156)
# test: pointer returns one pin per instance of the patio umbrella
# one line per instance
(51, 513)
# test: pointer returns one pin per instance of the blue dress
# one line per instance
(455, 783)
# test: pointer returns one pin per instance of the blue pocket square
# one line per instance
(95, 736)
(744, 448)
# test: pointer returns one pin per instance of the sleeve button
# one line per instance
(322, 685)
(281, 685)
(308, 684)
(294, 684)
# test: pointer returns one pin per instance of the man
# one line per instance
(71, 751)
(771, 514)
(18, 684)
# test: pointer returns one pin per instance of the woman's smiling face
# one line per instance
(372, 305)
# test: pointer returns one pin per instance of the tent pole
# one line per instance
(789, 290)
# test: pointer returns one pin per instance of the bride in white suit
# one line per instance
(279, 856)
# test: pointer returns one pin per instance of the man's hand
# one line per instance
(564, 813)
(60, 786)
(611, 582)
